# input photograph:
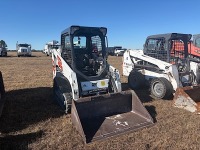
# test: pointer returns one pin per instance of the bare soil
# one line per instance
(32, 120)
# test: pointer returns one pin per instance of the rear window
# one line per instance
(79, 42)
(197, 42)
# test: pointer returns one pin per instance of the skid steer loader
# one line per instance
(85, 83)
(2, 93)
(166, 65)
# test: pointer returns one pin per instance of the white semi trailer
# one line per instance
(50, 46)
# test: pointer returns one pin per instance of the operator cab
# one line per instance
(89, 59)
(84, 49)
(171, 48)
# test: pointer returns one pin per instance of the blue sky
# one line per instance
(129, 22)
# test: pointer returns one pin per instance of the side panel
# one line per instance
(59, 62)
(116, 76)
(127, 65)
(92, 85)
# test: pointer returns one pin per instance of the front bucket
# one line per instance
(108, 115)
(188, 98)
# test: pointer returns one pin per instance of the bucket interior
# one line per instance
(193, 93)
(108, 115)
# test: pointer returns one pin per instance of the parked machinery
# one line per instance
(111, 50)
(3, 49)
(23, 49)
(50, 46)
(86, 83)
(167, 66)
(158, 46)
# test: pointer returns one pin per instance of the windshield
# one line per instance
(92, 44)
(23, 45)
(89, 55)
(156, 44)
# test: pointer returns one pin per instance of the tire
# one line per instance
(136, 80)
(161, 88)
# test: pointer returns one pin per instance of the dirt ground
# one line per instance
(32, 120)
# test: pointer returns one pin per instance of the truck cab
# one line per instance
(23, 50)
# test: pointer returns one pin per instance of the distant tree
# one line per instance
(3, 43)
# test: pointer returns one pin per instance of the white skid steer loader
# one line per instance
(165, 66)
(85, 83)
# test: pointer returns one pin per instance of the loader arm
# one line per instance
(150, 67)
(64, 68)
(160, 64)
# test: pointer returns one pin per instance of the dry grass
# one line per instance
(31, 120)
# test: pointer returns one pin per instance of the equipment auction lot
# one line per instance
(31, 119)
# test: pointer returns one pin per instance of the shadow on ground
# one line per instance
(152, 111)
(22, 56)
(18, 142)
(26, 107)
(144, 94)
